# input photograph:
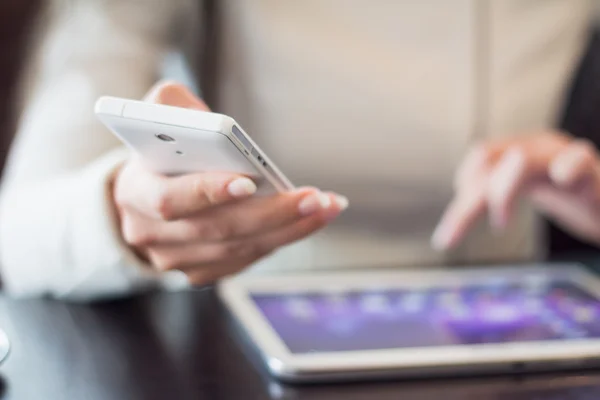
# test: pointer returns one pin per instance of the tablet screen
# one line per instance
(397, 318)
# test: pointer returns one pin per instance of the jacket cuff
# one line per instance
(61, 238)
(115, 270)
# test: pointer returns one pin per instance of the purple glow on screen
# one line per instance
(386, 319)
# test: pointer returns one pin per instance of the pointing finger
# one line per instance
(461, 214)
(505, 182)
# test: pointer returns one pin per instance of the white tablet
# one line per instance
(329, 326)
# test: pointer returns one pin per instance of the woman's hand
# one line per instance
(560, 175)
(209, 225)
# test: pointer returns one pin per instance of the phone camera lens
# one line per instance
(165, 138)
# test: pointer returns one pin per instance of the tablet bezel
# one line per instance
(236, 294)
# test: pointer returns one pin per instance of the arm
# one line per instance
(58, 235)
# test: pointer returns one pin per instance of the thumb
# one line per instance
(175, 94)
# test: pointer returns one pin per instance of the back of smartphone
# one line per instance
(173, 141)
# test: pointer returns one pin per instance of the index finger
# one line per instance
(539, 149)
(460, 215)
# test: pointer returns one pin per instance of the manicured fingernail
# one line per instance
(241, 187)
(313, 203)
(324, 200)
(341, 201)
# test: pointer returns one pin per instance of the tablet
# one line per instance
(331, 326)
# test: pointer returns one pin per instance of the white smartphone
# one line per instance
(173, 141)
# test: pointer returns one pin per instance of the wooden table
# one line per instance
(182, 346)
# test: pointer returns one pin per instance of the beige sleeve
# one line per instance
(57, 231)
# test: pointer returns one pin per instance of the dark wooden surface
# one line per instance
(182, 346)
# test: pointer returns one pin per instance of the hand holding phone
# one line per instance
(209, 224)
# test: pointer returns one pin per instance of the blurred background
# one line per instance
(18, 19)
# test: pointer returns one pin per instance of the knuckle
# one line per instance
(136, 233)
(312, 225)
(218, 230)
(482, 152)
(201, 191)
(191, 230)
(251, 251)
(120, 193)
(163, 262)
(587, 150)
(516, 157)
(129, 230)
(163, 205)
(240, 251)
(303, 230)
(125, 175)
(226, 250)
(479, 158)
(561, 138)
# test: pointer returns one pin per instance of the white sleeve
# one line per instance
(58, 235)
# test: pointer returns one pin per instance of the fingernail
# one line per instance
(341, 201)
(313, 203)
(241, 187)
(324, 200)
